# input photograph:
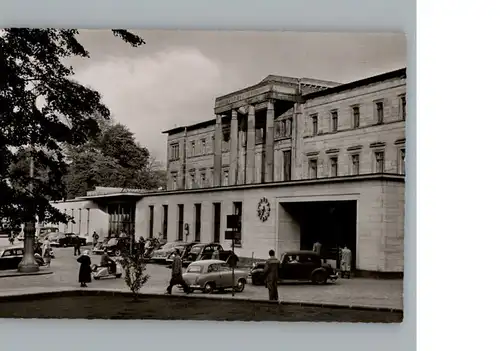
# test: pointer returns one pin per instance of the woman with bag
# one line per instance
(84, 275)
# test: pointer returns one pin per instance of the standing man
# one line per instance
(271, 276)
(76, 245)
(95, 239)
(317, 247)
(177, 274)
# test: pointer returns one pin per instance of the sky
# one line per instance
(174, 78)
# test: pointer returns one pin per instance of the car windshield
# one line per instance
(194, 269)
(195, 250)
(168, 246)
(112, 242)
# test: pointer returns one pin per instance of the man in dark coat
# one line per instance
(271, 276)
(177, 274)
(84, 275)
(76, 245)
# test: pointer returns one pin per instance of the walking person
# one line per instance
(76, 246)
(47, 257)
(11, 237)
(176, 278)
(95, 239)
(271, 276)
(84, 274)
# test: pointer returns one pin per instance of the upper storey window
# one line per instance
(314, 122)
(355, 117)
(174, 151)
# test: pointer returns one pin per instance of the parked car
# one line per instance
(211, 275)
(11, 256)
(115, 246)
(184, 249)
(165, 251)
(298, 266)
(196, 252)
(69, 239)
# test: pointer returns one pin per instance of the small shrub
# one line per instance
(134, 268)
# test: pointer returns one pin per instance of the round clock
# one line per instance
(263, 209)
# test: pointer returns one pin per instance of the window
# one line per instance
(402, 161)
(192, 178)
(174, 180)
(197, 222)
(226, 178)
(193, 148)
(355, 164)
(287, 165)
(355, 116)
(238, 210)
(165, 221)
(334, 165)
(379, 109)
(203, 179)
(216, 209)
(313, 169)
(402, 107)
(379, 162)
(212, 176)
(314, 120)
(151, 220)
(335, 121)
(203, 146)
(174, 151)
(180, 222)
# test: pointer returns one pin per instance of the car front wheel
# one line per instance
(320, 278)
(209, 288)
(241, 285)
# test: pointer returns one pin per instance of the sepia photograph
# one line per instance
(202, 175)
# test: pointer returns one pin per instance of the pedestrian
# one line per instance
(84, 274)
(271, 276)
(176, 278)
(76, 246)
(45, 247)
(47, 257)
(142, 245)
(317, 247)
(345, 262)
(95, 239)
(11, 237)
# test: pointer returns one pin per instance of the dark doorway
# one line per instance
(216, 207)
(332, 223)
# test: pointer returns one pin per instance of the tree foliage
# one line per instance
(41, 109)
(112, 159)
(134, 266)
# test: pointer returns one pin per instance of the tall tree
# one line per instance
(113, 159)
(42, 108)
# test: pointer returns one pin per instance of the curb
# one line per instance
(82, 292)
(10, 275)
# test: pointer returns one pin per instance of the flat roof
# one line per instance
(327, 91)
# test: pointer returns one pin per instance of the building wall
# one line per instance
(84, 226)
(376, 220)
(370, 136)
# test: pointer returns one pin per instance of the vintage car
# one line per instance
(159, 255)
(197, 252)
(298, 266)
(69, 239)
(184, 249)
(115, 246)
(214, 275)
(10, 256)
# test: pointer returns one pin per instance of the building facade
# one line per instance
(300, 161)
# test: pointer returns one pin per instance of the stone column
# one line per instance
(250, 171)
(269, 175)
(217, 151)
(233, 152)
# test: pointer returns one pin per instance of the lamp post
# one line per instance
(28, 263)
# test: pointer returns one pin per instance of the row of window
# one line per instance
(194, 149)
(354, 167)
(356, 116)
(184, 231)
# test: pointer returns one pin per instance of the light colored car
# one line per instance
(161, 254)
(211, 275)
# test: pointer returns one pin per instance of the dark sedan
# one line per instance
(70, 239)
(10, 257)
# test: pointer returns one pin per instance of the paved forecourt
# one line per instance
(356, 292)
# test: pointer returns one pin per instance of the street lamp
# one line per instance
(28, 263)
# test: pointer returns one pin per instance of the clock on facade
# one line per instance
(263, 209)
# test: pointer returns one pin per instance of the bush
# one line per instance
(134, 267)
